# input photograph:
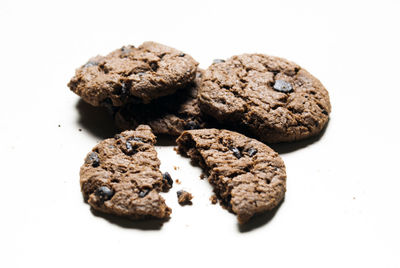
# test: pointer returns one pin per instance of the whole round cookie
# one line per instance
(121, 176)
(129, 74)
(248, 177)
(274, 99)
(166, 115)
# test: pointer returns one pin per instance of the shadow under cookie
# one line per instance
(288, 147)
(259, 220)
(96, 120)
(142, 224)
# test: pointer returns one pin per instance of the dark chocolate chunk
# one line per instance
(135, 139)
(104, 193)
(252, 152)
(90, 64)
(124, 89)
(129, 148)
(283, 86)
(236, 152)
(154, 66)
(191, 125)
(168, 178)
(143, 192)
(93, 158)
(179, 193)
(218, 60)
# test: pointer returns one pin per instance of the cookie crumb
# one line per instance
(79, 129)
(178, 181)
(213, 199)
(184, 198)
(202, 176)
(354, 198)
(176, 168)
(59, 125)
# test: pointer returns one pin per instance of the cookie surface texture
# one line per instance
(272, 98)
(133, 74)
(248, 177)
(121, 176)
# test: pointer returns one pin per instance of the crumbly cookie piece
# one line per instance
(121, 176)
(166, 115)
(248, 177)
(272, 98)
(133, 74)
(184, 198)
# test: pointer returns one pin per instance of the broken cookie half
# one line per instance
(121, 176)
(248, 177)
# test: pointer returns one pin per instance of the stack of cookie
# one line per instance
(157, 89)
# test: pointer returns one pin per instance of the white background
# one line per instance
(342, 204)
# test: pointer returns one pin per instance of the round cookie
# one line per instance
(137, 74)
(248, 176)
(121, 176)
(166, 115)
(272, 98)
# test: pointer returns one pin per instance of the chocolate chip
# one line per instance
(154, 66)
(252, 152)
(324, 112)
(93, 158)
(124, 88)
(283, 86)
(135, 139)
(218, 60)
(129, 148)
(191, 125)
(236, 152)
(117, 136)
(168, 178)
(90, 64)
(104, 193)
(179, 193)
(143, 193)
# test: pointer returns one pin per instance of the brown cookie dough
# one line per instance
(133, 74)
(121, 176)
(184, 198)
(166, 115)
(272, 98)
(248, 176)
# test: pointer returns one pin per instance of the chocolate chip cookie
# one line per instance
(272, 98)
(133, 74)
(166, 115)
(121, 176)
(248, 177)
